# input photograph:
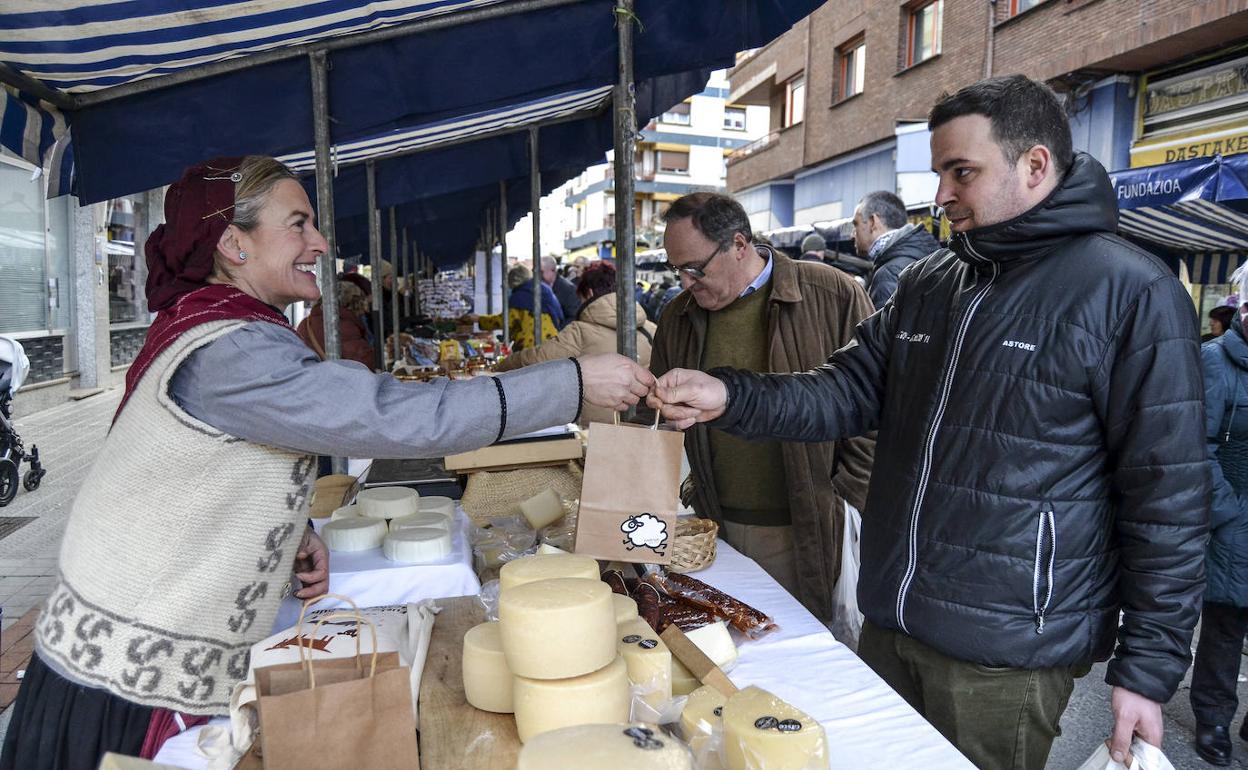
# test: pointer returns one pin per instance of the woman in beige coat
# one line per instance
(593, 331)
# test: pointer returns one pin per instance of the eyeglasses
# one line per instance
(696, 273)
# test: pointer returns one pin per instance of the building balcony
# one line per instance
(776, 155)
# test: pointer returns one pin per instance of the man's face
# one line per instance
(978, 186)
(863, 238)
(548, 274)
(725, 276)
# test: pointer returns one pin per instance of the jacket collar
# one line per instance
(784, 283)
(1083, 203)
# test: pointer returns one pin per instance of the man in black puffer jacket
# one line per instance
(1040, 460)
(882, 235)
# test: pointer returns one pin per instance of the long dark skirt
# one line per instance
(60, 725)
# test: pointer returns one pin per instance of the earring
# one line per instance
(242, 256)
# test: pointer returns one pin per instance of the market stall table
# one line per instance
(868, 725)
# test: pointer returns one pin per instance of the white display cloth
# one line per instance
(868, 725)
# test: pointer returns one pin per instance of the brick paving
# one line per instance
(68, 436)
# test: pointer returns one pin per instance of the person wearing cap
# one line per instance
(192, 525)
(813, 248)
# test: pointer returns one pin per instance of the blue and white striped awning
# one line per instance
(1191, 226)
(28, 127)
(1212, 267)
(1192, 207)
(487, 122)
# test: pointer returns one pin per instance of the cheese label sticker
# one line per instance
(719, 711)
(789, 726)
(766, 723)
(631, 639)
(648, 644)
(643, 738)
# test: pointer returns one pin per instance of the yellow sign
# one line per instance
(1196, 89)
(1186, 145)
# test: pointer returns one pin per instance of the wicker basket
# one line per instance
(694, 546)
(498, 493)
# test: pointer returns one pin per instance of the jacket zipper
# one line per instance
(1045, 557)
(929, 447)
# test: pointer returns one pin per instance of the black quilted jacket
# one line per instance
(908, 248)
(1040, 463)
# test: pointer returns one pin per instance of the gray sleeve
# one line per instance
(262, 384)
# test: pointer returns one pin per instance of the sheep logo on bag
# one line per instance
(645, 530)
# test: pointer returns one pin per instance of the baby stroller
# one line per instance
(13, 367)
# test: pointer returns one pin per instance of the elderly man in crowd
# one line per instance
(748, 306)
(882, 235)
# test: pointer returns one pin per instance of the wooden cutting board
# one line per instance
(453, 734)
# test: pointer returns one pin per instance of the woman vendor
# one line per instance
(184, 537)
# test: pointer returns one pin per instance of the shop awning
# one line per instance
(1191, 207)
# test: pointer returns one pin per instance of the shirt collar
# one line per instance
(763, 277)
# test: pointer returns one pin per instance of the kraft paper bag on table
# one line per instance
(337, 712)
(630, 493)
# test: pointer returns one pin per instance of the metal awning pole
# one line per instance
(374, 259)
(416, 306)
(502, 260)
(400, 256)
(535, 202)
(408, 272)
(488, 281)
(326, 265)
(625, 150)
(394, 258)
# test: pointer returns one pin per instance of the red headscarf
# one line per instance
(198, 208)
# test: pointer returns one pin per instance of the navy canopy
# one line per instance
(144, 139)
(1198, 206)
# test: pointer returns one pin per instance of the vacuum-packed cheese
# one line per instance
(548, 548)
(543, 508)
(417, 545)
(438, 504)
(555, 629)
(625, 608)
(422, 519)
(649, 661)
(487, 680)
(683, 680)
(701, 715)
(388, 502)
(762, 731)
(353, 534)
(530, 569)
(636, 746)
(715, 641)
(549, 704)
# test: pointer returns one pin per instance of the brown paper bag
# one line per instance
(630, 494)
(337, 712)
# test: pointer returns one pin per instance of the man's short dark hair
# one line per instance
(887, 206)
(1023, 113)
(719, 217)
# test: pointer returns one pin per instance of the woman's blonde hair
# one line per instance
(259, 174)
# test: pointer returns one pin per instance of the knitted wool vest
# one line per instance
(179, 547)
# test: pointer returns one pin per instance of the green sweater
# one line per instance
(749, 475)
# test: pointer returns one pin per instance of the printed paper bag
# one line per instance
(337, 712)
(629, 494)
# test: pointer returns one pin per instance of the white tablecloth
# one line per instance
(868, 725)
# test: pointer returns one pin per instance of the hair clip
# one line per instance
(220, 212)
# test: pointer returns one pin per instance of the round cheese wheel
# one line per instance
(388, 502)
(546, 566)
(649, 661)
(438, 504)
(760, 730)
(417, 545)
(636, 746)
(555, 629)
(701, 716)
(549, 704)
(422, 519)
(345, 512)
(487, 680)
(625, 608)
(354, 534)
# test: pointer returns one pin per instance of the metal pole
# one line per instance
(326, 266)
(399, 255)
(417, 275)
(394, 311)
(535, 202)
(625, 149)
(502, 260)
(374, 259)
(409, 273)
(491, 233)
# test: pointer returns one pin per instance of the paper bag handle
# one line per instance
(616, 417)
(309, 602)
(360, 622)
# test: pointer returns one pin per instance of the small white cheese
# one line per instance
(422, 519)
(438, 504)
(388, 502)
(345, 512)
(543, 508)
(417, 545)
(354, 534)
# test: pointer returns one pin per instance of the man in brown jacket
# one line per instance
(750, 307)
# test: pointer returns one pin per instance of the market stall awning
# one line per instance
(1192, 207)
(234, 75)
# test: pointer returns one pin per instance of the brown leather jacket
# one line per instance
(814, 309)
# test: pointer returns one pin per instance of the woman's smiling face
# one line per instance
(282, 249)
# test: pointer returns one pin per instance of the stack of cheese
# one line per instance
(554, 647)
(405, 526)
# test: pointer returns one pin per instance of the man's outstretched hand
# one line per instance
(685, 397)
